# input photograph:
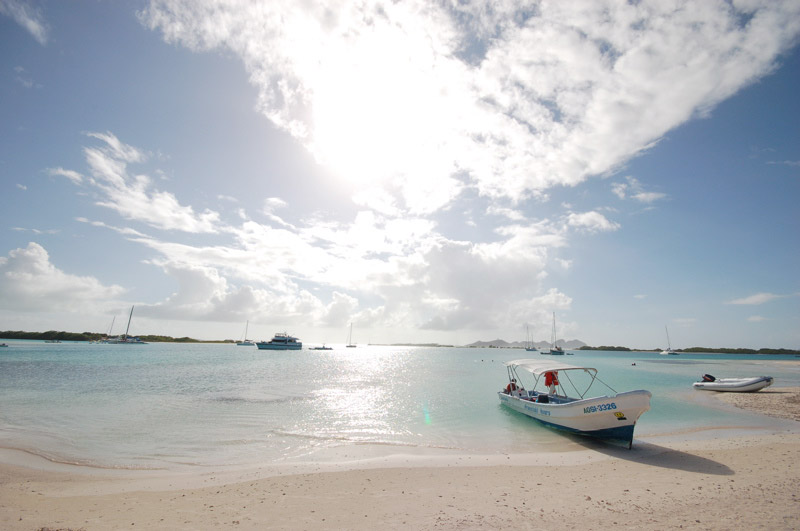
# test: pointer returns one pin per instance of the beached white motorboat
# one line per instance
(605, 417)
(733, 385)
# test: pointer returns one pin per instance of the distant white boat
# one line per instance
(3, 345)
(733, 385)
(323, 347)
(669, 351)
(126, 339)
(350, 338)
(529, 346)
(610, 418)
(245, 342)
(280, 342)
(555, 350)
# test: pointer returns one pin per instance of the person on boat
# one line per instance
(511, 387)
(551, 380)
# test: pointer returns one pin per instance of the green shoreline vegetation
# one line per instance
(52, 335)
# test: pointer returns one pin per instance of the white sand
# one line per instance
(746, 482)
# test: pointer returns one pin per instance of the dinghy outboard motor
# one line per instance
(708, 378)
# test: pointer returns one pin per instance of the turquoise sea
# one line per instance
(169, 406)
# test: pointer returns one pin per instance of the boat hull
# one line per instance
(610, 418)
(272, 346)
(735, 385)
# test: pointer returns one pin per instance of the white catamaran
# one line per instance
(126, 339)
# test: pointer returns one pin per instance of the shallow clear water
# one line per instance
(165, 405)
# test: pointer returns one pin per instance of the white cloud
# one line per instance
(591, 222)
(430, 99)
(22, 186)
(785, 162)
(23, 78)
(30, 282)
(73, 176)
(133, 196)
(758, 298)
(378, 268)
(756, 319)
(36, 231)
(633, 188)
(26, 16)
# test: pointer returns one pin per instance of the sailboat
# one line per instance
(245, 342)
(529, 346)
(350, 338)
(108, 334)
(126, 339)
(555, 350)
(669, 351)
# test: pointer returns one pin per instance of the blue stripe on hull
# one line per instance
(620, 434)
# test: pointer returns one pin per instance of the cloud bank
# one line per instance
(507, 98)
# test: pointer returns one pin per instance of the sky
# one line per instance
(440, 172)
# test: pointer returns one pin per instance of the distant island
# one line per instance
(572, 344)
(52, 335)
(576, 344)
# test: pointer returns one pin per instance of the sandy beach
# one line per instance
(746, 481)
(750, 482)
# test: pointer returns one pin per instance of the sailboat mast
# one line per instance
(669, 344)
(129, 322)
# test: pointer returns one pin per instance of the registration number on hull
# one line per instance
(600, 407)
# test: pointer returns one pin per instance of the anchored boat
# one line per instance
(125, 339)
(733, 385)
(608, 417)
(280, 342)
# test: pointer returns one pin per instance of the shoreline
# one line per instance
(718, 484)
(716, 478)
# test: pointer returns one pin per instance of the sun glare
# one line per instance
(373, 110)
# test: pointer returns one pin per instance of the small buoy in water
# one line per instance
(634, 363)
